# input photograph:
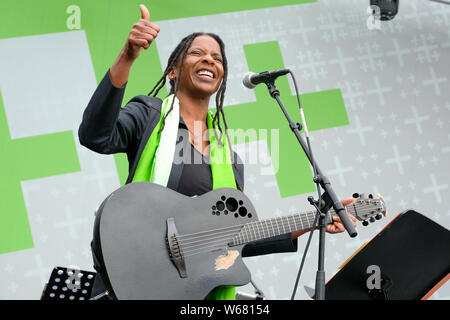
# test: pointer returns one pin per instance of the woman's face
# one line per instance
(202, 71)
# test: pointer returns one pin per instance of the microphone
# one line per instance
(251, 80)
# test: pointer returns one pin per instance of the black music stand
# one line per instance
(413, 255)
(69, 284)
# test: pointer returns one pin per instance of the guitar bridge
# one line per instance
(174, 248)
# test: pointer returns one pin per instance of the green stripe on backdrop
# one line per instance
(167, 10)
(24, 159)
(324, 109)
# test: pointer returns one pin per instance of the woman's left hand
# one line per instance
(337, 226)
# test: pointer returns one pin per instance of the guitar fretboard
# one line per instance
(259, 230)
(268, 228)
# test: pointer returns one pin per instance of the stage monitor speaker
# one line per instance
(410, 257)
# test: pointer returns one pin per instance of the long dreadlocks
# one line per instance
(177, 57)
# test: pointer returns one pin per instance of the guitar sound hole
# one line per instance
(242, 211)
(232, 204)
(220, 205)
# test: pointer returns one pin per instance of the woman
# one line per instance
(149, 129)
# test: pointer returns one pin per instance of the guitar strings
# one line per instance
(293, 217)
(224, 240)
(227, 236)
(285, 222)
(206, 249)
(224, 245)
(302, 217)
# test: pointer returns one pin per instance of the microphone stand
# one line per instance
(329, 200)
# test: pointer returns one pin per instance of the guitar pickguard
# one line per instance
(224, 262)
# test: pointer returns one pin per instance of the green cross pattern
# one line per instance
(24, 159)
(322, 110)
(168, 10)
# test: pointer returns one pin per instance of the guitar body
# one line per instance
(151, 242)
(131, 229)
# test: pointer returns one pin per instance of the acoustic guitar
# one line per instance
(158, 244)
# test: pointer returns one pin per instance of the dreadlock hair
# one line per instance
(177, 57)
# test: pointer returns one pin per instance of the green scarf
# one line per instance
(221, 169)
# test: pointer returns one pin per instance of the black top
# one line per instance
(196, 177)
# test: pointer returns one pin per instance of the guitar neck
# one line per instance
(264, 229)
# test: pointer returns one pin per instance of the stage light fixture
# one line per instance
(388, 8)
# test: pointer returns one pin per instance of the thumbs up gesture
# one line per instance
(142, 34)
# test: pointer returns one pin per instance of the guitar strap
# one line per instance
(156, 161)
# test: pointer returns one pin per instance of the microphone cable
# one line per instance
(317, 186)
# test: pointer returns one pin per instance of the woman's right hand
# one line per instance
(141, 36)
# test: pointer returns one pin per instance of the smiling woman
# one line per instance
(162, 137)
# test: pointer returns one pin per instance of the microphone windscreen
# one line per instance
(247, 80)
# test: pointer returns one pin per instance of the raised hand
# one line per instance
(141, 35)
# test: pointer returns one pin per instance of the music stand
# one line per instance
(413, 256)
(69, 284)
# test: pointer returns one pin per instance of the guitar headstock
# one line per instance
(367, 208)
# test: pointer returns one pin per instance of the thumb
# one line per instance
(145, 14)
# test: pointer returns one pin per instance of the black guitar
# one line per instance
(158, 244)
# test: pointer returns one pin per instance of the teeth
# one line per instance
(206, 73)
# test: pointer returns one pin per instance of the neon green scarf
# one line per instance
(221, 170)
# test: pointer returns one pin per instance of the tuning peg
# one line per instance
(378, 216)
(372, 219)
(365, 223)
(355, 195)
